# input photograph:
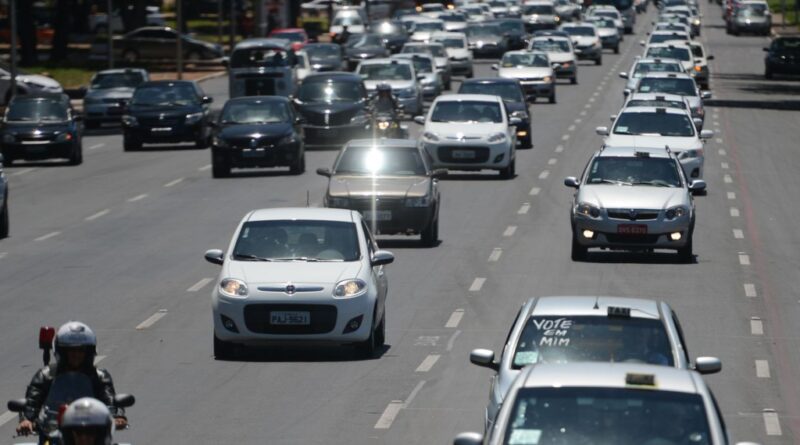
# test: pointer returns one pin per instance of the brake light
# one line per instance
(61, 410)
(46, 336)
(698, 68)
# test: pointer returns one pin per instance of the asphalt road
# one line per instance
(118, 243)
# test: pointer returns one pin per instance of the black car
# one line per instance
(41, 126)
(166, 111)
(325, 56)
(783, 57)
(363, 46)
(510, 90)
(158, 43)
(335, 108)
(259, 131)
(515, 30)
(487, 40)
(394, 34)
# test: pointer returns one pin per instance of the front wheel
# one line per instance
(685, 253)
(299, 166)
(599, 61)
(508, 172)
(223, 350)
(616, 49)
(430, 235)
(4, 220)
(552, 97)
(220, 169)
(574, 80)
(130, 144)
(377, 337)
(76, 158)
(578, 252)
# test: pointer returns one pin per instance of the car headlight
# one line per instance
(383, 125)
(589, 210)
(419, 201)
(288, 139)
(193, 118)
(350, 288)
(219, 142)
(129, 121)
(359, 118)
(497, 137)
(232, 287)
(547, 79)
(338, 202)
(428, 136)
(696, 22)
(676, 212)
(428, 81)
(596, 45)
(520, 115)
(64, 137)
(8, 138)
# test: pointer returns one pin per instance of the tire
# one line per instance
(202, 143)
(91, 125)
(552, 98)
(574, 79)
(223, 350)
(4, 220)
(7, 161)
(578, 252)
(130, 144)
(130, 56)
(77, 156)
(768, 73)
(299, 166)
(430, 235)
(616, 49)
(685, 253)
(528, 141)
(470, 74)
(599, 61)
(508, 172)
(377, 337)
(220, 169)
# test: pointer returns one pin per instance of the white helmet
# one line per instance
(90, 416)
(74, 334)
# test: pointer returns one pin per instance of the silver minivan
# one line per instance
(262, 67)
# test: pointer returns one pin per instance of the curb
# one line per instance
(211, 76)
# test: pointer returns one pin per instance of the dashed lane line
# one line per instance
(734, 212)
(559, 149)
(3, 255)
(756, 326)
(97, 215)
(96, 146)
(771, 423)
(544, 174)
(48, 236)
(509, 232)
(477, 284)
(428, 363)
(587, 106)
(99, 359)
(495, 255)
(722, 152)
(738, 234)
(552, 161)
(718, 140)
(565, 137)
(744, 259)
(6, 417)
(137, 197)
(455, 319)
(22, 172)
(724, 165)
(762, 369)
(750, 290)
(173, 182)
(152, 320)
(199, 285)
(523, 209)
(451, 343)
(571, 127)
(394, 407)
(727, 178)
(731, 195)
(204, 168)
(534, 191)
(583, 113)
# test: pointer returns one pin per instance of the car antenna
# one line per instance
(308, 198)
(596, 302)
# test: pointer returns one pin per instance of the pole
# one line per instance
(219, 22)
(13, 7)
(110, 32)
(232, 39)
(366, 11)
(179, 41)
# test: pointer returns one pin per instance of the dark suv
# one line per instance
(783, 57)
(335, 108)
(166, 111)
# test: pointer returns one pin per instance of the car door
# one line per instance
(165, 44)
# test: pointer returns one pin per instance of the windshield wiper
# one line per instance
(297, 258)
(608, 181)
(249, 257)
(655, 183)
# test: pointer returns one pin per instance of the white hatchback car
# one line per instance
(300, 274)
(470, 132)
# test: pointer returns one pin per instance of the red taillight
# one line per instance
(61, 410)
(46, 336)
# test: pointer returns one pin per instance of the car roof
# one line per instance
(609, 375)
(490, 80)
(657, 60)
(663, 75)
(384, 142)
(423, 44)
(553, 38)
(453, 34)
(656, 96)
(122, 71)
(386, 61)
(410, 56)
(332, 75)
(262, 43)
(525, 51)
(267, 99)
(595, 305)
(631, 152)
(673, 43)
(577, 24)
(166, 82)
(473, 97)
(295, 213)
(283, 30)
(652, 110)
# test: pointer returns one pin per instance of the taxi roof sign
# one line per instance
(640, 379)
(618, 311)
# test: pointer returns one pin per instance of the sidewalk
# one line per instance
(778, 30)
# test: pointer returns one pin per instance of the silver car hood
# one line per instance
(583, 40)
(561, 57)
(525, 72)
(366, 186)
(609, 196)
(395, 84)
(674, 143)
(478, 130)
(605, 32)
(110, 93)
(297, 272)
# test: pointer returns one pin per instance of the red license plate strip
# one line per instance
(632, 229)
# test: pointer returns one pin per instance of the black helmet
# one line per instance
(383, 88)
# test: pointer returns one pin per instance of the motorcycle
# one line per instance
(387, 125)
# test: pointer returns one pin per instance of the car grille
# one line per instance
(156, 122)
(323, 318)
(616, 238)
(382, 203)
(638, 215)
(334, 119)
(246, 142)
(481, 154)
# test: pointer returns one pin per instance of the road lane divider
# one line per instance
(477, 284)
(523, 209)
(394, 407)
(22, 172)
(452, 341)
(7, 416)
(731, 195)
(199, 285)
(174, 182)
(137, 197)
(495, 255)
(534, 191)
(455, 318)
(48, 236)
(552, 161)
(509, 232)
(428, 363)
(734, 212)
(96, 146)
(727, 178)
(152, 320)
(204, 168)
(744, 259)
(750, 290)
(97, 215)
(771, 422)
(544, 174)
(738, 234)
(756, 326)
(762, 369)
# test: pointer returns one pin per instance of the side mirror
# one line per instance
(571, 181)
(215, 256)
(623, 75)
(225, 61)
(419, 120)
(706, 134)
(514, 121)
(602, 131)
(207, 99)
(707, 365)
(124, 400)
(698, 122)
(706, 94)
(483, 358)
(439, 173)
(495, 66)
(382, 258)
(326, 172)
(698, 185)
(468, 439)
(613, 117)
(710, 57)
(765, 49)
(642, 43)
(626, 92)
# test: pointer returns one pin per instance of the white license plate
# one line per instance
(463, 154)
(160, 129)
(378, 215)
(289, 318)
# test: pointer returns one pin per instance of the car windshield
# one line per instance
(524, 60)
(667, 52)
(661, 38)
(604, 23)
(381, 161)
(555, 339)
(681, 87)
(787, 45)
(421, 64)
(36, 110)
(165, 94)
(619, 416)
(452, 18)
(551, 46)
(656, 103)
(482, 31)
(364, 41)
(389, 71)
(292, 36)
(509, 92)
(639, 170)
(116, 80)
(348, 20)
(297, 240)
(643, 68)
(428, 26)
(260, 57)
(330, 91)
(753, 10)
(452, 42)
(606, 13)
(538, 9)
(512, 27)
(467, 111)
(579, 30)
(654, 123)
(254, 112)
(435, 50)
(322, 51)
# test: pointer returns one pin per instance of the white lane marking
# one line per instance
(552, 161)
(389, 414)
(738, 234)
(495, 255)
(452, 341)
(565, 137)
(523, 209)
(137, 197)
(534, 191)
(151, 320)
(718, 140)
(559, 149)
(428, 363)
(722, 152)
(716, 123)
(750, 290)
(583, 113)
(731, 195)
(414, 393)
(724, 165)
(544, 174)
(99, 359)
(6, 417)
(571, 127)
(455, 318)
(762, 369)
(174, 182)
(727, 179)
(756, 326)
(204, 168)
(509, 231)
(199, 285)
(48, 236)
(96, 146)
(3, 255)
(744, 259)
(97, 215)
(426, 340)
(578, 120)
(587, 106)
(591, 99)
(771, 423)
(22, 172)
(595, 94)
(734, 212)
(477, 284)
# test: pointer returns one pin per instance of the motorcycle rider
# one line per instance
(343, 36)
(384, 101)
(87, 421)
(75, 350)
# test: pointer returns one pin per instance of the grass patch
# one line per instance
(791, 11)
(71, 77)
